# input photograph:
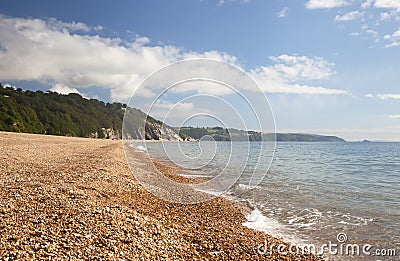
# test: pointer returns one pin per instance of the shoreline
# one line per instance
(65, 197)
(255, 219)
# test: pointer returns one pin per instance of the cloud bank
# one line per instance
(71, 56)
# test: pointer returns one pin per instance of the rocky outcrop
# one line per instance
(138, 125)
(106, 133)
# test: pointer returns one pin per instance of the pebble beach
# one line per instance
(65, 198)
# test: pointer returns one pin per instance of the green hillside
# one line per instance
(221, 134)
(57, 114)
(306, 137)
(72, 115)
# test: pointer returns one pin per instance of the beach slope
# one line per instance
(76, 198)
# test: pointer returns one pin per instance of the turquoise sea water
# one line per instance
(312, 191)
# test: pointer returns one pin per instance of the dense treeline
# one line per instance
(57, 114)
(221, 134)
(306, 137)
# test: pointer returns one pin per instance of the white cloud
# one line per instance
(98, 28)
(63, 89)
(75, 59)
(353, 15)
(393, 44)
(395, 116)
(366, 4)
(296, 67)
(173, 113)
(385, 16)
(318, 4)
(394, 39)
(390, 4)
(283, 13)
(282, 77)
(396, 34)
(211, 55)
(209, 88)
(184, 107)
(49, 51)
(384, 96)
(71, 27)
(8, 85)
(388, 96)
(222, 2)
(142, 40)
(370, 12)
(374, 34)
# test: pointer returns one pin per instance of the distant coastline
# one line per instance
(231, 134)
(73, 115)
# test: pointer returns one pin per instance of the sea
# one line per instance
(343, 198)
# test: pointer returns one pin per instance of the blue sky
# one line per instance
(326, 66)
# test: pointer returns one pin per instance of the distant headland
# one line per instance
(73, 115)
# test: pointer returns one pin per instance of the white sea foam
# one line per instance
(193, 176)
(256, 220)
(140, 148)
(208, 191)
(137, 147)
(245, 187)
